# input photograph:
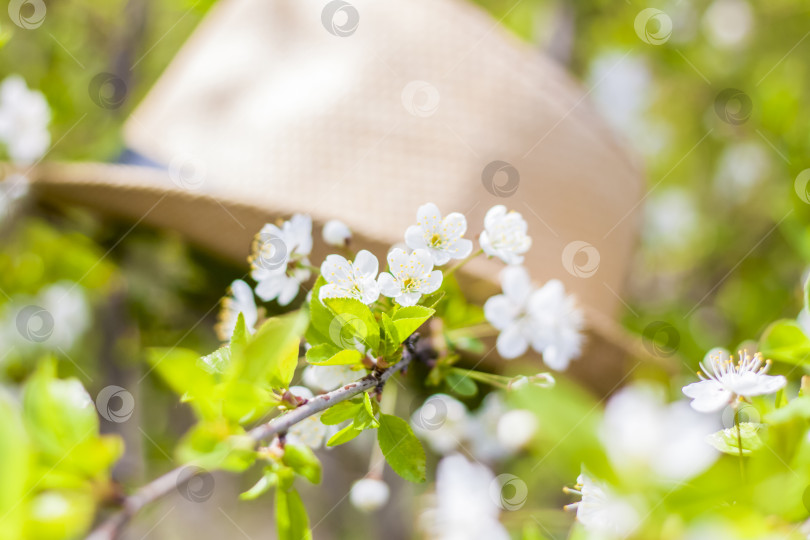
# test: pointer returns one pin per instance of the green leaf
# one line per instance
(15, 463)
(392, 340)
(217, 445)
(327, 354)
(785, 341)
(337, 414)
(432, 300)
(291, 516)
(268, 479)
(352, 321)
(303, 461)
(271, 355)
(796, 409)
(344, 435)
(408, 319)
(461, 384)
(727, 442)
(58, 414)
(217, 362)
(320, 317)
(366, 415)
(401, 448)
(187, 375)
(59, 514)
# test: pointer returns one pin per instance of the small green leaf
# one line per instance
(344, 435)
(352, 322)
(320, 317)
(188, 375)
(267, 480)
(392, 339)
(337, 414)
(291, 516)
(366, 415)
(408, 319)
(432, 300)
(727, 442)
(303, 461)
(401, 448)
(15, 463)
(272, 353)
(785, 341)
(796, 409)
(217, 445)
(461, 384)
(327, 354)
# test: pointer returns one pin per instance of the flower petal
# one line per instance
(366, 264)
(454, 225)
(388, 285)
(500, 311)
(408, 299)
(511, 343)
(428, 217)
(516, 284)
(707, 396)
(336, 269)
(432, 283)
(415, 237)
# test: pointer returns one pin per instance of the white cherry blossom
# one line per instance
(505, 235)
(602, 512)
(463, 508)
(347, 279)
(240, 300)
(646, 437)
(369, 494)
(545, 319)
(723, 381)
(443, 238)
(24, 118)
(336, 233)
(410, 276)
(279, 259)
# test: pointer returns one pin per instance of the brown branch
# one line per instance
(110, 528)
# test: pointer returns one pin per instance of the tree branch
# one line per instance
(163, 485)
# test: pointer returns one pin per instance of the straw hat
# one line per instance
(363, 111)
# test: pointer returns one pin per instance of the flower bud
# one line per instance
(336, 233)
(369, 494)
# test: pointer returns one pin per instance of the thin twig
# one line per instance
(163, 485)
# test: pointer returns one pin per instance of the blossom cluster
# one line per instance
(545, 319)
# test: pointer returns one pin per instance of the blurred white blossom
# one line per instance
(516, 429)
(410, 276)
(279, 259)
(351, 279)
(24, 118)
(336, 233)
(728, 23)
(505, 235)
(310, 431)
(463, 508)
(369, 494)
(328, 378)
(13, 188)
(442, 238)
(604, 514)
(545, 319)
(643, 434)
(240, 300)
